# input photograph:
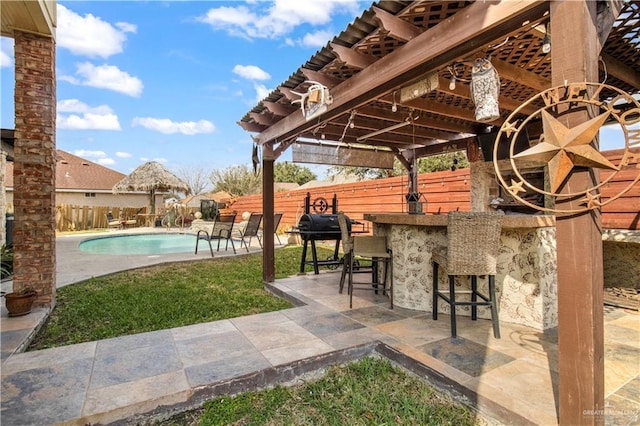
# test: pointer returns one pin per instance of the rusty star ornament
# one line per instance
(562, 149)
(566, 148)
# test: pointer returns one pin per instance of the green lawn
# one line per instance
(366, 392)
(166, 296)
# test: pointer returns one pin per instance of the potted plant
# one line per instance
(20, 302)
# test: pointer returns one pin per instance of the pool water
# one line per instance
(148, 244)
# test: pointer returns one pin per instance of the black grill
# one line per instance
(320, 226)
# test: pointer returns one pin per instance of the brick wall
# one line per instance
(34, 166)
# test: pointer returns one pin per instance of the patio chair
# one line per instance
(221, 230)
(277, 217)
(120, 223)
(473, 241)
(111, 222)
(367, 248)
(251, 230)
(347, 243)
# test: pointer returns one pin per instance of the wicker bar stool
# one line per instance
(473, 241)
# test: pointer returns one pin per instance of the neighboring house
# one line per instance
(194, 200)
(284, 186)
(82, 182)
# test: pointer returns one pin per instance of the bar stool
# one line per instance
(366, 248)
(473, 241)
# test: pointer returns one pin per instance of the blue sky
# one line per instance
(168, 80)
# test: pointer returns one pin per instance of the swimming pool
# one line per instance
(148, 244)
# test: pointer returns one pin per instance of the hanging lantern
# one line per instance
(485, 88)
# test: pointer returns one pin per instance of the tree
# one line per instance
(434, 163)
(290, 172)
(196, 177)
(438, 163)
(236, 180)
(362, 173)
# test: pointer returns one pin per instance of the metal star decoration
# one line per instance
(564, 148)
(516, 187)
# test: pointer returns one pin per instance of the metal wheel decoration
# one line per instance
(564, 149)
(320, 205)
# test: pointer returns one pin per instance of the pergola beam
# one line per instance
(460, 34)
(322, 78)
(278, 109)
(352, 57)
(397, 28)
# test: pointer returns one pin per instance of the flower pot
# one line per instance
(20, 303)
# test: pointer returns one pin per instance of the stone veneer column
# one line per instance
(34, 166)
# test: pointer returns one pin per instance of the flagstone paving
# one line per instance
(510, 380)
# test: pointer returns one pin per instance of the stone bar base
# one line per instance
(526, 276)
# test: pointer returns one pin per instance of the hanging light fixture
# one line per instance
(394, 107)
(546, 42)
(452, 82)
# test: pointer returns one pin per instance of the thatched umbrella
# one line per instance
(152, 177)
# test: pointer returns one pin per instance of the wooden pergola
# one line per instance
(390, 80)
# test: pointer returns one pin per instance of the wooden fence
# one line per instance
(83, 218)
(444, 191)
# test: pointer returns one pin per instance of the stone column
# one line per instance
(34, 166)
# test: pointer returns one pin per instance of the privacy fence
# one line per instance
(444, 191)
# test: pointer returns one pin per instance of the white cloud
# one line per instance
(251, 72)
(261, 92)
(85, 153)
(106, 161)
(89, 35)
(167, 126)
(276, 20)
(316, 39)
(73, 114)
(6, 53)
(105, 77)
(121, 154)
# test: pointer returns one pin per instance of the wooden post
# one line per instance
(574, 58)
(268, 251)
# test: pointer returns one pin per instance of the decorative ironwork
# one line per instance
(320, 205)
(563, 149)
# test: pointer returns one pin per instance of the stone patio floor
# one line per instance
(512, 380)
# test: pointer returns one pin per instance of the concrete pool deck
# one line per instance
(512, 380)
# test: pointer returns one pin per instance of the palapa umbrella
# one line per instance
(152, 177)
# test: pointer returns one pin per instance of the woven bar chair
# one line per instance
(370, 249)
(473, 241)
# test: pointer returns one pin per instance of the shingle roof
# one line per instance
(75, 173)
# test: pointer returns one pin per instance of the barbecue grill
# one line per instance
(320, 226)
(314, 227)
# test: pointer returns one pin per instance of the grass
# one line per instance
(162, 297)
(370, 391)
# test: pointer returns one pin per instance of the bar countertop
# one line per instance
(510, 221)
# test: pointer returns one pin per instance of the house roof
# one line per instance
(75, 173)
(394, 66)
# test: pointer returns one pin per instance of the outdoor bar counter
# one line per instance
(526, 272)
